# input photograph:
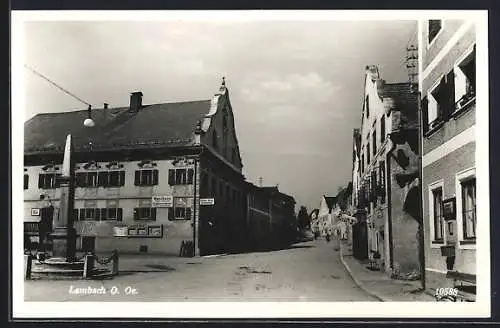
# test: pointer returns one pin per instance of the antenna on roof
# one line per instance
(57, 86)
(88, 122)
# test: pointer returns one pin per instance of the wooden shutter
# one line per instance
(190, 176)
(153, 213)
(450, 94)
(425, 114)
(171, 177)
(188, 213)
(122, 178)
(119, 214)
(97, 214)
(82, 214)
(136, 213)
(171, 213)
(155, 177)
(137, 181)
(104, 213)
(102, 179)
(40, 181)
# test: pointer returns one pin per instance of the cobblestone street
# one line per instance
(309, 271)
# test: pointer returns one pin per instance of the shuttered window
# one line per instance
(146, 177)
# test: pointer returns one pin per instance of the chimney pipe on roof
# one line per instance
(106, 105)
(135, 101)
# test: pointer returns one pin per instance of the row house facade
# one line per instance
(140, 173)
(448, 91)
(270, 217)
(385, 172)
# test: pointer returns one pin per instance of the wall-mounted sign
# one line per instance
(207, 201)
(35, 212)
(120, 231)
(449, 209)
(143, 231)
(162, 201)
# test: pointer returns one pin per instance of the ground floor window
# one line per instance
(469, 208)
(437, 211)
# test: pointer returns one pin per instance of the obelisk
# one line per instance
(64, 235)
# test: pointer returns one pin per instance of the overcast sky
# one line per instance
(296, 87)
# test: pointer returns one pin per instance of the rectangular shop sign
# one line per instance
(162, 201)
(207, 201)
(120, 231)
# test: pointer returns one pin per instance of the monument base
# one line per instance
(64, 244)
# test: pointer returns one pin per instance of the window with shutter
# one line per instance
(97, 214)
(82, 214)
(102, 179)
(425, 117)
(188, 213)
(92, 179)
(114, 178)
(137, 180)
(171, 177)
(26, 181)
(171, 215)
(122, 178)
(155, 177)
(104, 213)
(40, 181)
(190, 173)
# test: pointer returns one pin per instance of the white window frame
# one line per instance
(431, 187)
(456, 67)
(429, 44)
(431, 99)
(462, 176)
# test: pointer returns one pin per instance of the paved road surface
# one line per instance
(306, 272)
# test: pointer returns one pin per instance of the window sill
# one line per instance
(438, 242)
(468, 242)
(465, 108)
(434, 129)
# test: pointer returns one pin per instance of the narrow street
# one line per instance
(309, 271)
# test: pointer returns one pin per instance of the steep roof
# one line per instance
(170, 124)
(330, 202)
(405, 97)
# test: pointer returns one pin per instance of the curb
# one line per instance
(360, 284)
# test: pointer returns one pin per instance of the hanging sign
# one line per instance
(35, 212)
(162, 201)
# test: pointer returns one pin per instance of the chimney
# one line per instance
(106, 105)
(135, 101)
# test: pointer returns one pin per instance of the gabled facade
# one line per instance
(140, 173)
(387, 160)
(448, 90)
